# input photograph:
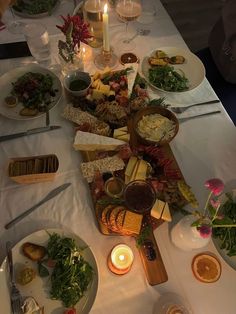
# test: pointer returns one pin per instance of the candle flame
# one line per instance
(105, 8)
(121, 257)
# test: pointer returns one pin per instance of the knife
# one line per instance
(49, 196)
(199, 115)
(29, 132)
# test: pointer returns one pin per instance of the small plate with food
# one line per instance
(35, 9)
(224, 238)
(55, 270)
(173, 70)
(28, 92)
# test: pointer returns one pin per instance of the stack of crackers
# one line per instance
(119, 219)
(33, 165)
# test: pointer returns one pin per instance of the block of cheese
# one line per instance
(130, 168)
(132, 222)
(157, 209)
(166, 215)
(123, 137)
(141, 172)
(91, 142)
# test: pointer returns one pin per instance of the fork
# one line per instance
(182, 109)
(16, 298)
(141, 32)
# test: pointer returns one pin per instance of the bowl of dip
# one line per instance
(77, 83)
(139, 196)
(155, 125)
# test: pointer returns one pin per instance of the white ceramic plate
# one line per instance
(40, 288)
(193, 67)
(230, 260)
(36, 16)
(8, 78)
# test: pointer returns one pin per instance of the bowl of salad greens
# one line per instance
(35, 8)
(224, 238)
(173, 70)
(66, 276)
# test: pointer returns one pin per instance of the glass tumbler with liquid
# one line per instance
(92, 12)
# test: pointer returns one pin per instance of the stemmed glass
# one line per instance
(128, 10)
(15, 26)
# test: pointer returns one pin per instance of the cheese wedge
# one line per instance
(132, 177)
(166, 215)
(118, 132)
(157, 209)
(91, 142)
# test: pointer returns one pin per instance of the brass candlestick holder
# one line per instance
(106, 59)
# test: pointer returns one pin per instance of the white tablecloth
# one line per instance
(204, 148)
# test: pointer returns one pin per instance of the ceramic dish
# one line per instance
(151, 110)
(40, 288)
(8, 78)
(192, 68)
(230, 260)
(25, 14)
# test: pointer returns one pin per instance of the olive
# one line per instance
(111, 98)
(149, 250)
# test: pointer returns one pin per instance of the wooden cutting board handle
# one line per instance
(155, 270)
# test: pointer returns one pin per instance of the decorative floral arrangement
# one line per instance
(75, 31)
(211, 218)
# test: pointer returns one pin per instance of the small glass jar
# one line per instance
(114, 187)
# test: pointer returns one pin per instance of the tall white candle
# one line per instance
(106, 41)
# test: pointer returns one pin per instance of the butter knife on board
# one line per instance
(29, 132)
(48, 197)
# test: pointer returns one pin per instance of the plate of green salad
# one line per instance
(54, 268)
(173, 70)
(28, 92)
(224, 239)
(35, 8)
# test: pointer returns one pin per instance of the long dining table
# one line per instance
(204, 148)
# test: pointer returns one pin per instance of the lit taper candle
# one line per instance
(106, 41)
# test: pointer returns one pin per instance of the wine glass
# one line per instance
(15, 26)
(127, 11)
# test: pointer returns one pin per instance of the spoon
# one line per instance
(141, 32)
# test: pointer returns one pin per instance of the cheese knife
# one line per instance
(48, 197)
(29, 132)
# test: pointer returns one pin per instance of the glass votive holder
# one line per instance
(114, 187)
(120, 259)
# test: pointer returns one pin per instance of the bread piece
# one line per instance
(33, 251)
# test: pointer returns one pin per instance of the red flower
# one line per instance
(79, 32)
(215, 185)
(205, 231)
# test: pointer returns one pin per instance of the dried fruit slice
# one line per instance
(187, 193)
(206, 268)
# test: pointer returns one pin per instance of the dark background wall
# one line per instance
(194, 19)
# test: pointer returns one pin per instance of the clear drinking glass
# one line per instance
(148, 12)
(38, 41)
(15, 26)
(127, 11)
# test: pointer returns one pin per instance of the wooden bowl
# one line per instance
(154, 110)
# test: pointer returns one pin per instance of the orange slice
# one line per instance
(206, 268)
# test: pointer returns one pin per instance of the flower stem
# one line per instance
(206, 205)
(223, 226)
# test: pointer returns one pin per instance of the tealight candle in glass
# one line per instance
(120, 259)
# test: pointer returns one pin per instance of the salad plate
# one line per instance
(35, 9)
(39, 288)
(6, 82)
(192, 68)
(230, 260)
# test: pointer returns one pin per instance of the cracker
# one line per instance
(120, 219)
(132, 222)
(30, 166)
(112, 218)
(104, 213)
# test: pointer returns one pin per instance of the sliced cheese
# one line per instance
(130, 168)
(166, 215)
(131, 76)
(97, 94)
(123, 137)
(91, 142)
(141, 172)
(117, 133)
(157, 209)
(132, 177)
(124, 129)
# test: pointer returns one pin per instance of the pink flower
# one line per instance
(215, 185)
(205, 231)
(215, 203)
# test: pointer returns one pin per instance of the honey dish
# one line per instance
(155, 126)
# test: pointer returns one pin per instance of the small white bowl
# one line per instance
(72, 76)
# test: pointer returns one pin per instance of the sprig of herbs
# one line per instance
(143, 236)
